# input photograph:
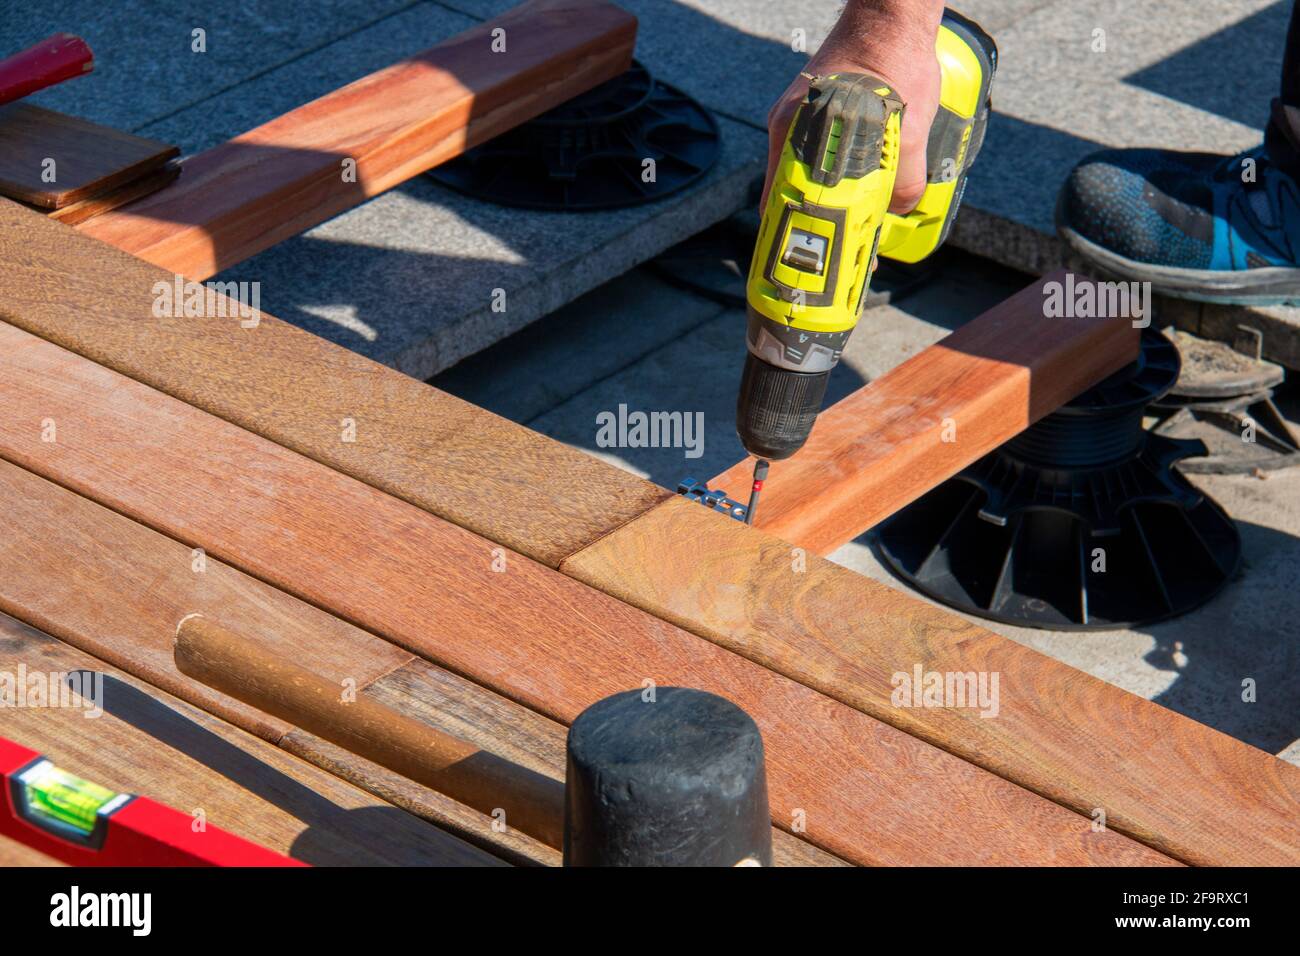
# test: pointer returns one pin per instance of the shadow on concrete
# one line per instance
(1233, 73)
(1246, 633)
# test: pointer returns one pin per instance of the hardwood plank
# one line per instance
(428, 694)
(81, 211)
(1168, 781)
(510, 845)
(90, 159)
(901, 435)
(147, 742)
(286, 176)
(241, 665)
(498, 479)
(534, 635)
(117, 590)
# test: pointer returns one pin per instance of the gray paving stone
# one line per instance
(737, 56)
(144, 66)
(410, 278)
(259, 100)
(1194, 83)
(570, 350)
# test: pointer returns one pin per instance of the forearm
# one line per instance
(905, 27)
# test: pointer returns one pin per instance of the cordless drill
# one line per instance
(827, 219)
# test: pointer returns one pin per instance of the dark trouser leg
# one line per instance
(1282, 137)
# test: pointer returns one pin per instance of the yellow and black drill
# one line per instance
(827, 219)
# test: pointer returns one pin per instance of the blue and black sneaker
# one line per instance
(1194, 225)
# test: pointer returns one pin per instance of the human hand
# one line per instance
(890, 39)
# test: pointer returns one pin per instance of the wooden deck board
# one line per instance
(526, 631)
(116, 589)
(498, 479)
(1177, 785)
(149, 743)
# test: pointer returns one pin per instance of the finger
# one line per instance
(778, 126)
(909, 184)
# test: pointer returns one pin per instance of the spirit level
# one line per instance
(84, 824)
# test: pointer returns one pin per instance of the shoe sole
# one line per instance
(1271, 285)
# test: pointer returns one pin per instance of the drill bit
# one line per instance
(760, 473)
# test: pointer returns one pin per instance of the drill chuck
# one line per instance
(777, 407)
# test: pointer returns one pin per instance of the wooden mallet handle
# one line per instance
(242, 668)
(53, 60)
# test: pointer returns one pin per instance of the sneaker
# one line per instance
(1194, 225)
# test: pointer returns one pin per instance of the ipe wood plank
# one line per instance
(498, 479)
(864, 791)
(85, 159)
(149, 743)
(920, 423)
(117, 590)
(288, 175)
(1177, 785)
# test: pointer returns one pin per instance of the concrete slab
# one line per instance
(1196, 664)
(145, 64)
(411, 278)
(259, 99)
(568, 351)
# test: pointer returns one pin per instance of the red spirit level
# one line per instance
(84, 824)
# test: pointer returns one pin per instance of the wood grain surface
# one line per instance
(1176, 785)
(288, 175)
(242, 666)
(498, 479)
(117, 589)
(430, 694)
(89, 159)
(901, 435)
(146, 742)
(13, 853)
(865, 791)
(97, 205)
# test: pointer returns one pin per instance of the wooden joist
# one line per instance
(524, 630)
(333, 153)
(901, 435)
(150, 743)
(507, 483)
